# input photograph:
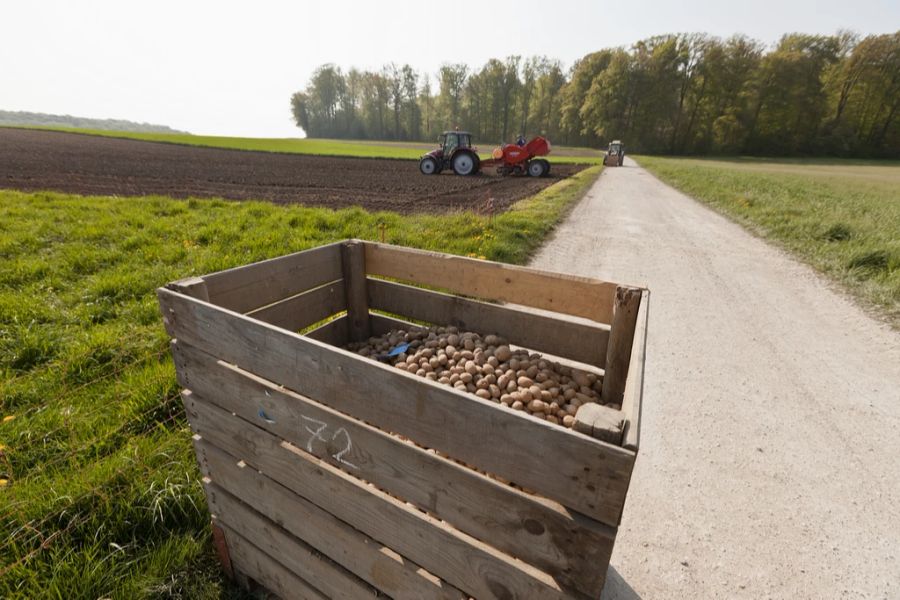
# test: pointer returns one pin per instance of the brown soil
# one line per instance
(83, 164)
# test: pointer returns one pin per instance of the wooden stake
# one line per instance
(621, 337)
(353, 264)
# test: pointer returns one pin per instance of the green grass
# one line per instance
(365, 149)
(101, 496)
(842, 217)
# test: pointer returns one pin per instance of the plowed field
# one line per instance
(33, 160)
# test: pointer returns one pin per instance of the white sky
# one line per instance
(228, 68)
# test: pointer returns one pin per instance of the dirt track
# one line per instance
(770, 440)
(45, 160)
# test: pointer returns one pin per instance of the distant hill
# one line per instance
(9, 117)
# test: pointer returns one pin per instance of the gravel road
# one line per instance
(770, 441)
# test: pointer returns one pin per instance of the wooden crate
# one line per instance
(326, 472)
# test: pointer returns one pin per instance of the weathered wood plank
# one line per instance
(353, 261)
(244, 288)
(621, 338)
(555, 335)
(268, 572)
(455, 557)
(194, 287)
(564, 544)
(261, 503)
(601, 422)
(382, 324)
(568, 294)
(634, 385)
(304, 561)
(333, 332)
(587, 475)
(304, 309)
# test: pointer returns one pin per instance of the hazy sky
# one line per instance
(229, 68)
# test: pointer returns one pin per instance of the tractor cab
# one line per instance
(615, 155)
(451, 141)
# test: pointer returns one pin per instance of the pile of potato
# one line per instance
(487, 367)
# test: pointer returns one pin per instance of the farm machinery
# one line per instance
(615, 155)
(457, 153)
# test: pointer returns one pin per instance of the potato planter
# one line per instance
(329, 474)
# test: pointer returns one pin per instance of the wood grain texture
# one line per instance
(268, 572)
(621, 339)
(333, 332)
(564, 544)
(301, 311)
(566, 338)
(600, 422)
(353, 262)
(458, 559)
(195, 287)
(634, 385)
(245, 288)
(260, 503)
(382, 324)
(568, 294)
(586, 475)
(301, 559)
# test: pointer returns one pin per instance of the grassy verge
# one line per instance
(842, 217)
(99, 494)
(365, 149)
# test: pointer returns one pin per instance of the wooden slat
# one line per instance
(566, 545)
(259, 503)
(621, 337)
(353, 262)
(382, 324)
(333, 332)
(304, 309)
(194, 287)
(578, 296)
(567, 338)
(634, 386)
(268, 572)
(458, 559)
(244, 288)
(586, 475)
(304, 561)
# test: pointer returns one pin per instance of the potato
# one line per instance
(487, 367)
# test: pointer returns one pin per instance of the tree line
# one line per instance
(812, 95)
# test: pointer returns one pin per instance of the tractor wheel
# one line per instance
(536, 168)
(428, 166)
(465, 163)
(546, 167)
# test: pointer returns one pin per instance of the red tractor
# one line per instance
(456, 152)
